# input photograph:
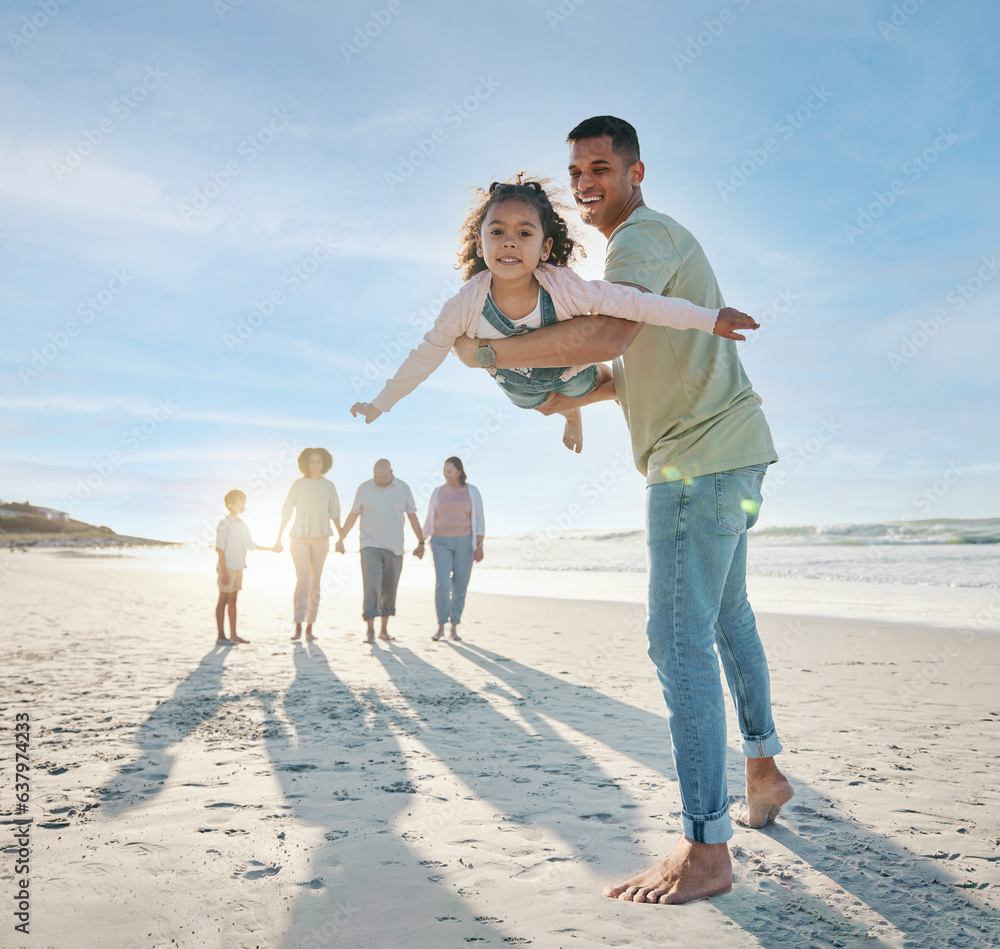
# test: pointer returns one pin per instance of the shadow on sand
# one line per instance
(352, 797)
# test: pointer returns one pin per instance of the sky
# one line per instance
(222, 222)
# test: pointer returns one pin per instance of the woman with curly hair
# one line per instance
(515, 255)
(314, 500)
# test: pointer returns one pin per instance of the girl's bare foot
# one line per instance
(573, 432)
(309, 634)
(692, 872)
(237, 639)
(298, 632)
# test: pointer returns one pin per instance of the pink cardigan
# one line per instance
(571, 296)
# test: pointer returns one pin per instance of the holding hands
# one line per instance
(368, 411)
(730, 319)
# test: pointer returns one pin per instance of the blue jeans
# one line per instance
(452, 568)
(699, 613)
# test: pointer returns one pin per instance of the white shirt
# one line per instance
(232, 537)
(382, 511)
(486, 330)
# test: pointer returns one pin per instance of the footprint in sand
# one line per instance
(264, 871)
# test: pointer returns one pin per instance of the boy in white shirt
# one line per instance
(232, 542)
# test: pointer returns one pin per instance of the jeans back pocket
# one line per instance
(738, 497)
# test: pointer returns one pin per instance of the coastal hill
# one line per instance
(25, 525)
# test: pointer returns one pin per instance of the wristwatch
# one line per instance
(485, 354)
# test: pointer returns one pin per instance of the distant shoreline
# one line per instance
(16, 541)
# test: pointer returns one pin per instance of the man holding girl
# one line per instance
(702, 442)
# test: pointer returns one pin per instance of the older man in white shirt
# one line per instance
(380, 504)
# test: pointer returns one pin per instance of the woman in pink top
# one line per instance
(455, 525)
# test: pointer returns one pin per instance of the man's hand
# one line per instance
(368, 411)
(418, 551)
(339, 547)
(278, 548)
(466, 348)
(477, 554)
(557, 403)
(224, 577)
(730, 319)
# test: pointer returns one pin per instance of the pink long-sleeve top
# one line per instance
(571, 296)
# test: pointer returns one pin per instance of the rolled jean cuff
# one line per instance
(763, 746)
(714, 829)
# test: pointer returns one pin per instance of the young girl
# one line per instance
(514, 256)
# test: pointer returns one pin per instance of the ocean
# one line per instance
(942, 572)
(940, 552)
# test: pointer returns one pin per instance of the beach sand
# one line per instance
(438, 795)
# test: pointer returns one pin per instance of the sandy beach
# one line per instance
(435, 795)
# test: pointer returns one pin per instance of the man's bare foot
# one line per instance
(767, 790)
(692, 872)
(573, 432)
(454, 634)
(370, 639)
(237, 639)
(438, 635)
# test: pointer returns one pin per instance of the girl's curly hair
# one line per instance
(564, 248)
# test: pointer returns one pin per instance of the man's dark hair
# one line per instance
(624, 139)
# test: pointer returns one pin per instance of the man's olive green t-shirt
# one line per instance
(687, 401)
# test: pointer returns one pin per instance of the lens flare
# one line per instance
(750, 505)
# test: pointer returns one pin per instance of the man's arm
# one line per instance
(576, 342)
(558, 403)
(419, 531)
